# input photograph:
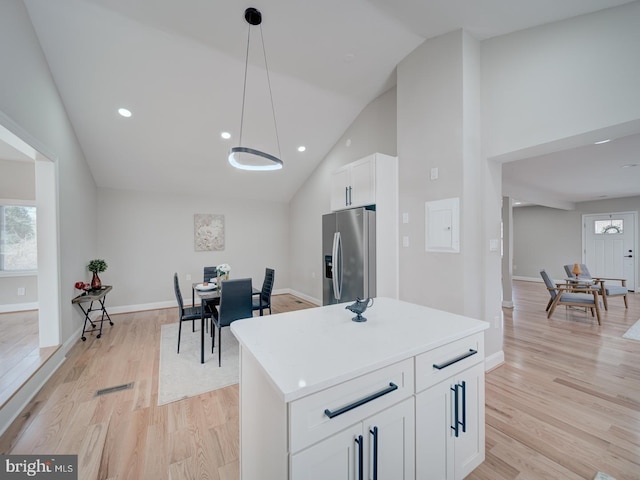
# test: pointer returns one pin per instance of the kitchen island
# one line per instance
(400, 395)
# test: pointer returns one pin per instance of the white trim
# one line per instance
(303, 296)
(17, 202)
(507, 304)
(18, 307)
(528, 279)
(493, 361)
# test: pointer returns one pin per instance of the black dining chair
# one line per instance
(188, 313)
(209, 273)
(235, 304)
(262, 300)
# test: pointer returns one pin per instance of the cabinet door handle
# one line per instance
(392, 386)
(374, 432)
(350, 199)
(463, 385)
(440, 366)
(346, 196)
(456, 423)
(360, 460)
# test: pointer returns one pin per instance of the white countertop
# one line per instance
(305, 351)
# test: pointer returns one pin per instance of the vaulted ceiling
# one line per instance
(178, 65)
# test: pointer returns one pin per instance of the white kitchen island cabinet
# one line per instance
(324, 397)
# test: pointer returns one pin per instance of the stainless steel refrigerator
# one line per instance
(349, 255)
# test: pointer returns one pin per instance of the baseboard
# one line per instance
(528, 279)
(303, 296)
(493, 361)
(18, 307)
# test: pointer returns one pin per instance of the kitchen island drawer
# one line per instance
(324, 413)
(449, 359)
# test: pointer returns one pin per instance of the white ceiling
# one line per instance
(178, 66)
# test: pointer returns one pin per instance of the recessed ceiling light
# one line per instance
(602, 141)
(629, 165)
(302, 148)
(517, 203)
(225, 135)
(124, 112)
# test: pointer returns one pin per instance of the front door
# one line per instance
(609, 245)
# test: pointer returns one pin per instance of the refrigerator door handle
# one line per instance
(337, 265)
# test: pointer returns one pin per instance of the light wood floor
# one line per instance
(20, 355)
(565, 404)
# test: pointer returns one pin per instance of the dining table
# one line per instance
(208, 298)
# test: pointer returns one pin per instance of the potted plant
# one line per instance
(96, 266)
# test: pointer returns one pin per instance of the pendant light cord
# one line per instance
(273, 109)
(244, 89)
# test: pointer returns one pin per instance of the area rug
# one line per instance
(603, 476)
(182, 375)
(633, 333)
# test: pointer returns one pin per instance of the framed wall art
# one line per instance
(208, 232)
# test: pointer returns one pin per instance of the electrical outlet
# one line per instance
(434, 173)
(405, 218)
(21, 291)
(405, 241)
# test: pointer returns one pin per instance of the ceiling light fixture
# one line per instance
(602, 141)
(225, 135)
(302, 148)
(124, 112)
(246, 158)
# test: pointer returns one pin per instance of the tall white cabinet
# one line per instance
(373, 180)
(322, 397)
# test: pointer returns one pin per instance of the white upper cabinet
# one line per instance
(356, 184)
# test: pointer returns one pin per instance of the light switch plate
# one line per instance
(434, 173)
(405, 217)
(405, 241)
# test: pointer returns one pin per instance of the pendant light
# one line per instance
(246, 158)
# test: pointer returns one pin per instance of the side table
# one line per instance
(93, 296)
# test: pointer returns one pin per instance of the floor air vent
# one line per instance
(117, 388)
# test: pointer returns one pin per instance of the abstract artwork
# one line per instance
(208, 232)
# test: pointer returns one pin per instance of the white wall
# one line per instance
(550, 238)
(145, 238)
(374, 130)
(30, 99)
(439, 119)
(561, 80)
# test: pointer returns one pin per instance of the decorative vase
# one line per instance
(96, 284)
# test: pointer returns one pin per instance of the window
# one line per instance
(603, 227)
(18, 239)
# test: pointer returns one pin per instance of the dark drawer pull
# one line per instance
(440, 366)
(392, 386)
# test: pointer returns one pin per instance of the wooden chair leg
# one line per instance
(625, 301)
(597, 305)
(546, 309)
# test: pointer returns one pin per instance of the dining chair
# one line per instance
(565, 295)
(209, 273)
(235, 304)
(262, 300)
(606, 289)
(188, 313)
